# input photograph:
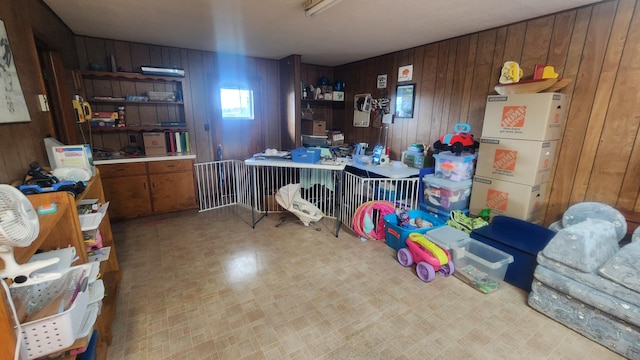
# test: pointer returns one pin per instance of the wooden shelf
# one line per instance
(322, 103)
(138, 129)
(125, 102)
(128, 76)
(60, 230)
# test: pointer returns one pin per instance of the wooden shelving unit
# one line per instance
(108, 91)
(60, 230)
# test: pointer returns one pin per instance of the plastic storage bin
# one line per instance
(446, 237)
(480, 265)
(522, 239)
(306, 155)
(455, 168)
(395, 235)
(442, 195)
(57, 332)
(314, 140)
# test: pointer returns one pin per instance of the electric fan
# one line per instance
(19, 227)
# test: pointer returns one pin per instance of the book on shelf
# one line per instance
(177, 141)
(172, 123)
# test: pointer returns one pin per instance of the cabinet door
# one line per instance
(173, 192)
(128, 196)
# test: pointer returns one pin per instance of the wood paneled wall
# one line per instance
(204, 72)
(24, 20)
(597, 46)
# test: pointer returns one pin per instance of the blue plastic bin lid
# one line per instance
(516, 233)
(446, 236)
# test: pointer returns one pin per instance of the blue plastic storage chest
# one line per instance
(519, 238)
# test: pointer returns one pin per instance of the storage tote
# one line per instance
(396, 236)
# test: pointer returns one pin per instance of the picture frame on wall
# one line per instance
(405, 98)
(13, 107)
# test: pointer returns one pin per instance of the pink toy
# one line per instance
(368, 219)
(430, 258)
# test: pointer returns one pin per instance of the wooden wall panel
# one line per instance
(21, 143)
(564, 172)
(593, 45)
(612, 165)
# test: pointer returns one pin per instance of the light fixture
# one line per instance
(315, 7)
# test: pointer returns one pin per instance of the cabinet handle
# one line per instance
(144, 185)
(153, 184)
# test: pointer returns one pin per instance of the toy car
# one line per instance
(39, 181)
(461, 141)
(430, 258)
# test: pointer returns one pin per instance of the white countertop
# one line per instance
(389, 171)
(132, 159)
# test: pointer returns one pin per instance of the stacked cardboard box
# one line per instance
(517, 150)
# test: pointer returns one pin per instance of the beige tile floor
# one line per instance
(208, 286)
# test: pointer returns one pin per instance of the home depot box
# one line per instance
(525, 116)
(507, 198)
(154, 143)
(314, 127)
(520, 161)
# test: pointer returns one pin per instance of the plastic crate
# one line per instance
(395, 236)
(306, 155)
(455, 168)
(445, 195)
(446, 237)
(480, 265)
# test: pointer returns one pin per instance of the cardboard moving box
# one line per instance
(507, 198)
(538, 117)
(519, 161)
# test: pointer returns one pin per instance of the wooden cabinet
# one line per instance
(146, 188)
(62, 229)
(128, 190)
(172, 185)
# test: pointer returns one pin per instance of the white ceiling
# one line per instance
(349, 31)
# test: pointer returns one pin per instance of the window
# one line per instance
(236, 103)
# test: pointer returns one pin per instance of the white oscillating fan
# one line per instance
(19, 226)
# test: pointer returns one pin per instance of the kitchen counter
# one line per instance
(133, 159)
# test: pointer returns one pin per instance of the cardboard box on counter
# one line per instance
(154, 143)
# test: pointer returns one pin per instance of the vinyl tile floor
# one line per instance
(209, 286)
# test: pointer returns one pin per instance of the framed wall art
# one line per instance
(13, 107)
(405, 97)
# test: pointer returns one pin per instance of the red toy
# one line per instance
(430, 258)
(461, 141)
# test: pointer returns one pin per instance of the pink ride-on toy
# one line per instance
(430, 258)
